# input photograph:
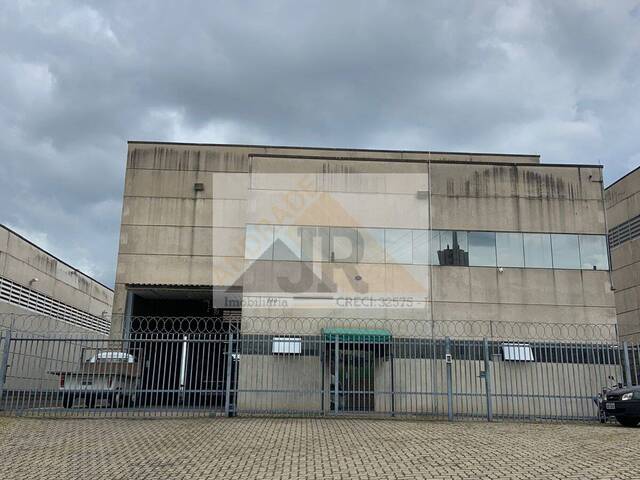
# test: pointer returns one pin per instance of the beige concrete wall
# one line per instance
(172, 234)
(290, 382)
(623, 199)
(484, 197)
(31, 361)
(328, 192)
(623, 204)
(119, 308)
(524, 198)
(518, 388)
(218, 157)
(523, 389)
(21, 261)
(526, 296)
(418, 383)
(31, 364)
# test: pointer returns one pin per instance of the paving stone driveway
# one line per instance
(270, 448)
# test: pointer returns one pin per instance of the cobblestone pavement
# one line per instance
(270, 448)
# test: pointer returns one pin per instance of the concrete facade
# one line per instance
(623, 216)
(35, 284)
(174, 235)
(194, 214)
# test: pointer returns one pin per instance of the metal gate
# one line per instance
(321, 370)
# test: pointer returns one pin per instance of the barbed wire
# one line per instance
(40, 325)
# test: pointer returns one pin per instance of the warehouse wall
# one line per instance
(21, 261)
(623, 204)
(528, 198)
(172, 234)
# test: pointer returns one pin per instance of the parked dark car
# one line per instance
(624, 404)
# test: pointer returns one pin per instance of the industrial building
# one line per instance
(623, 215)
(40, 293)
(41, 296)
(510, 239)
(335, 254)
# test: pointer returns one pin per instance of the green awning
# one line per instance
(356, 335)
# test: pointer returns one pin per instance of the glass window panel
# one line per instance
(259, 242)
(420, 247)
(434, 246)
(482, 249)
(453, 248)
(398, 247)
(460, 248)
(593, 252)
(510, 249)
(371, 245)
(315, 244)
(565, 250)
(286, 242)
(446, 239)
(344, 244)
(537, 250)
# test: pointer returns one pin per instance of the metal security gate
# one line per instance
(468, 379)
(84, 376)
(363, 368)
(356, 358)
(188, 371)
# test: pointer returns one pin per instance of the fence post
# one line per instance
(393, 386)
(487, 380)
(4, 362)
(336, 375)
(227, 400)
(448, 361)
(627, 365)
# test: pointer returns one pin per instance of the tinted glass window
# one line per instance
(482, 249)
(371, 248)
(259, 242)
(344, 244)
(537, 250)
(434, 247)
(453, 249)
(446, 239)
(462, 239)
(565, 250)
(593, 252)
(444, 247)
(510, 249)
(420, 247)
(315, 244)
(398, 247)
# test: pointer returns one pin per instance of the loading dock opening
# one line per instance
(186, 344)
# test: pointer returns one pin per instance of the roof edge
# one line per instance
(53, 256)
(422, 160)
(623, 177)
(294, 147)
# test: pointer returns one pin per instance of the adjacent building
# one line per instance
(40, 293)
(623, 216)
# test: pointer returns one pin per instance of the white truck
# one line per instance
(107, 376)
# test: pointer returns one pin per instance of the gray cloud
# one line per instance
(80, 78)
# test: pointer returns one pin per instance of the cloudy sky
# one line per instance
(79, 79)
